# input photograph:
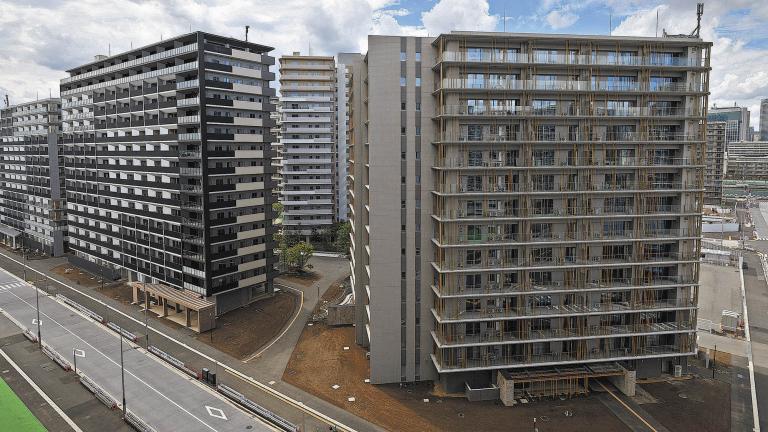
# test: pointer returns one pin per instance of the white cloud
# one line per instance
(448, 15)
(739, 73)
(558, 19)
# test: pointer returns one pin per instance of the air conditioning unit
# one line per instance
(678, 371)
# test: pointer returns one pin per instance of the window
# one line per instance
(402, 82)
(418, 56)
(418, 82)
(474, 54)
(403, 56)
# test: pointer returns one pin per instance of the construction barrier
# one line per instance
(98, 392)
(128, 335)
(173, 361)
(83, 309)
(257, 409)
(57, 358)
(29, 335)
(137, 423)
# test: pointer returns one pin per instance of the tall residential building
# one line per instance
(737, 122)
(168, 163)
(31, 185)
(764, 120)
(277, 148)
(525, 202)
(713, 176)
(313, 188)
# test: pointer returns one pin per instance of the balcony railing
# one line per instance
(569, 59)
(564, 85)
(555, 137)
(455, 314)
(499, 361)
(446, 339)
(464, 110)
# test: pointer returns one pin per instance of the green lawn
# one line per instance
(14, 415)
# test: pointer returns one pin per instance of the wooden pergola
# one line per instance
(183, 307)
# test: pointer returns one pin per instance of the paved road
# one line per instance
(163, 398)
(757, 305)
(289, 402)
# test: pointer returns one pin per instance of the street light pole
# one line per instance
(122, 373)
(37, 306)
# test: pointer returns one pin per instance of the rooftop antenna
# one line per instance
(610, 24)
(699, 13)
(657, 22)
(109, 49)
(246, 32)
(7, 101)
(505, 19)
(309, 47)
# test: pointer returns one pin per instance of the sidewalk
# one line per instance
(267, 369)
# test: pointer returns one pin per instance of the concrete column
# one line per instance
(165, 306)
(135, 295)
(178, 308)
(188, 316)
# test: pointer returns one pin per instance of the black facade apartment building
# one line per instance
(168, 166)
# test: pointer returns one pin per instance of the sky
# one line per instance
(40, 39)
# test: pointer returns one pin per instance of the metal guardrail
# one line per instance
(137, 423)
(79, 307)
(128, 335)
(53, 355)
(173, 361)
(257, 409)
(98, 392)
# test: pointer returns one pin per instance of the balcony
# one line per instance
(564, 86)
(568, 59)
(447, 340)
(494, 361)
(502, 313)
(195, 136)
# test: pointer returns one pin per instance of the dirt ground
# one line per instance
(701, 404)
(305, 279)
(243, 331)
(77, 276)
(320, 361)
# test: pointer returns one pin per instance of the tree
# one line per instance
(298, 255)
(277, 207)
(342, 243)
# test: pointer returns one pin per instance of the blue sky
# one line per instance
(40, 39)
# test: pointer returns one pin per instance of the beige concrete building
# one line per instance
(549, 204)
(313, 172)
(713, 177)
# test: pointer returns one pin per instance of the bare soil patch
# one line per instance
(303, 279)
(320, 361)
(243, 331)
(77, 275)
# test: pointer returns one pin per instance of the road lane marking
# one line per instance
(301, 406)
(79, 353)
(40, 391)
(118, 365)
(627, 407)
(34, 321)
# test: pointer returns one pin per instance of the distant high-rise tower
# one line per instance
(737, 122)
(764, 120)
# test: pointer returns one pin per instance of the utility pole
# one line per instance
(74, 358)
(714, 363)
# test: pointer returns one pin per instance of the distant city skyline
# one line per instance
(40, 40)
